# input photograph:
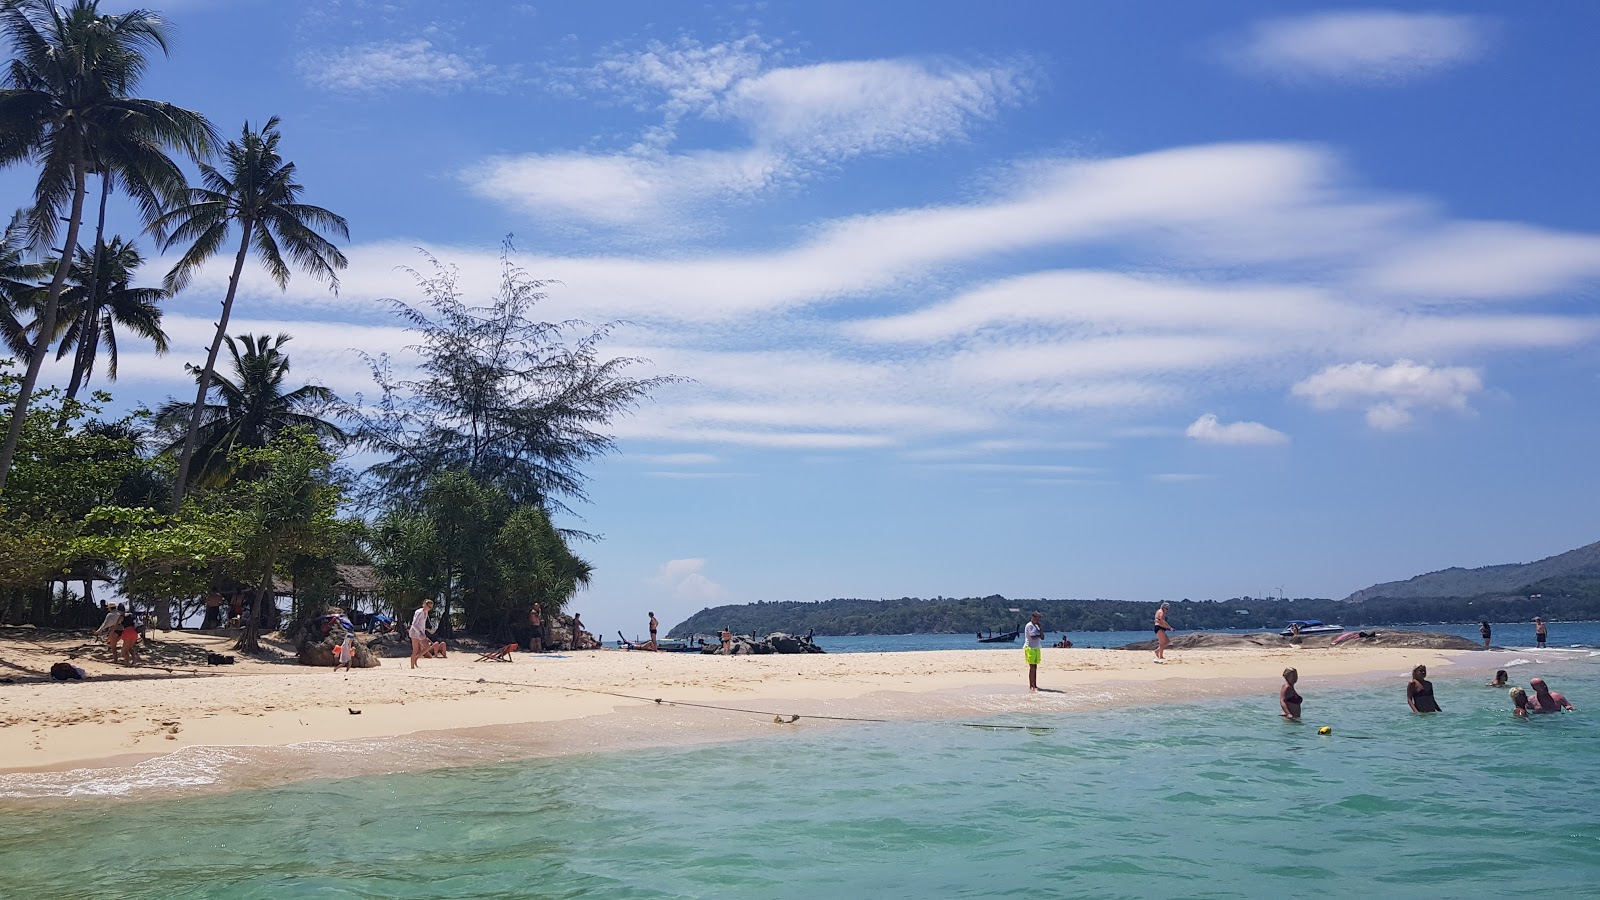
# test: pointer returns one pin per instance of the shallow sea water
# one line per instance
(1212, 799)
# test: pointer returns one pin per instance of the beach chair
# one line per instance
(501, 655)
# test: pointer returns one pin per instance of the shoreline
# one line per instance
(545, 705)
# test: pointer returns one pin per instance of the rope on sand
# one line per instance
(778, 718)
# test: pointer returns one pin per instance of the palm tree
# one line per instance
(100, 299)
(249, 412)
(64, 103)
(19, 285)
(258, 192)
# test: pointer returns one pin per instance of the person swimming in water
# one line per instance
(1419, 692)
(1519, 703)
(1288, 697)
(1500, 679)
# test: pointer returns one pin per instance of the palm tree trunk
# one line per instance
(250, 636)
(84, 358)
(190, 438)
(47, 321)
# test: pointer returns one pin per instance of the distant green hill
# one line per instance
(1582, 563)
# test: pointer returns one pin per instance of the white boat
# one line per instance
(1310, 626)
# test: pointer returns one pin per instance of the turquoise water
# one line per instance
(1215, 799)
(1506, 634)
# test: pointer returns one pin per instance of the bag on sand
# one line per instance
(65, 671)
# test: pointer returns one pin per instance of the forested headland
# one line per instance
(1569, 599)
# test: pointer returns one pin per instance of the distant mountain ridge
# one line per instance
(1583, 562)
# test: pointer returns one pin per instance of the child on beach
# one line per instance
(346, 653)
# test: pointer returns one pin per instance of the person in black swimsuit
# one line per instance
(1419, 692)
(1161, 629)
(653, 626)
(1484, 630)
(1288, 697)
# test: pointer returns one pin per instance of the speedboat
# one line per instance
(1310, 626)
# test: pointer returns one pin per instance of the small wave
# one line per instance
(190, 767)
(1517, 662)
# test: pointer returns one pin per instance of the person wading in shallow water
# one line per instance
(1419, 692)
(1540, 633)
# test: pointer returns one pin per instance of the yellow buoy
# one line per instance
(1325, 730)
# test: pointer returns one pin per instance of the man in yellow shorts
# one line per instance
(1032, 649)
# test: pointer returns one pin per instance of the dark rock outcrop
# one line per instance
(777, 642)
(315, 651)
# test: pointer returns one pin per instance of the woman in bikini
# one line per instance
(1419, 692)
(1162, 641)
(1500, 679)
(1288, 697)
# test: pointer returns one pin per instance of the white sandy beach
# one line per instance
(150, 710)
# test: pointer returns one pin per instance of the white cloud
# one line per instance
(1478, 260)
(1390, 394)
(678, 459)
(1362, 46)
(414, 65)
(790, 121)
(1209, 430)
(685, 579)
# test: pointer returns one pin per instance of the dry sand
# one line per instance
(165, 705)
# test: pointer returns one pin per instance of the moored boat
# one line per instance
(1002, 638)
(1309, 626)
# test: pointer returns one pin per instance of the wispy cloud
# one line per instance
(1369, 47)
(1208, 429)
(1391, 395)
(790, 122)
(413, 65)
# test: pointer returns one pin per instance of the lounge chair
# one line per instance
(501, 655)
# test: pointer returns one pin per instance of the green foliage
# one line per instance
(515, 402)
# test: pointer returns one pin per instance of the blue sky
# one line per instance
(1137, 300)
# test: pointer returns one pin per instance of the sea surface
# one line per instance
(1508, 634)
(1219, 798)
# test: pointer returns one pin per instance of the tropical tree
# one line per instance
(515, 402)
(256, 191)
(19, 286)
(536, 567)
(251, 409)
(65, 104)
(101, 299)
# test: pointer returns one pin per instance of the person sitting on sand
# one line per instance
(1419, 692)
(435, 649)
(1289, 698)
(727, 640)
(419, 631)
(1161, 629)
(1545, 700)
(1063, 644)
(1500, 679)
(1519, 703)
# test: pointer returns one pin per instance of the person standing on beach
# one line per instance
(653, 626)
(577, 626)
(1032, 650)
(1419, 692)
(111, 630)
(1484, 630)
(1162, 641)
(346, 654)
(535, 629)
(419, 631)
(1540, 633)
(1288, 697)
(213, 618)
(727, 641)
